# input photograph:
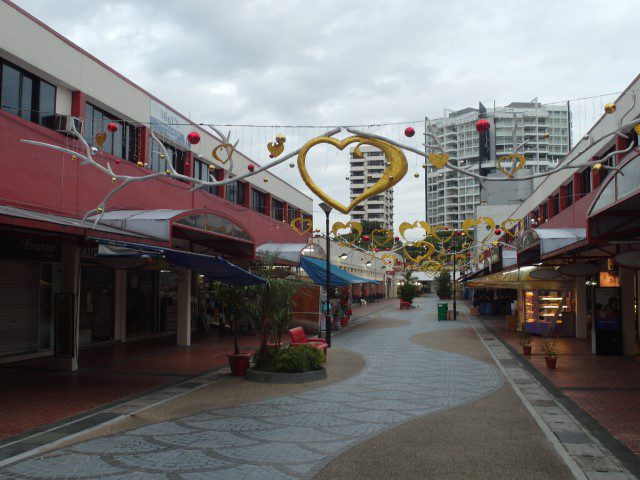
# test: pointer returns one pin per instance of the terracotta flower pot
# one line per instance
(526, 349)
(239, 363)
(551, 362)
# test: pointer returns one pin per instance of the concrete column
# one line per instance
(78, 104)
(581, 307)
(221, 174)
(120, 305)
(184, 307)
(627, 287)
(70, 283)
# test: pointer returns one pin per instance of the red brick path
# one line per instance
(606, 387)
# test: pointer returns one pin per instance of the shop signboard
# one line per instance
(39, 249)
(609, 279)
(169, 124)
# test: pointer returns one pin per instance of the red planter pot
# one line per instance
(526, 349)
(551, 362)
(239, 363)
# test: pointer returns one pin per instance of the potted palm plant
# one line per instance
(525, 340)
(550, 351)
(407, 291)
(234, 300)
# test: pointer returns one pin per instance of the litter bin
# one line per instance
(442, 311)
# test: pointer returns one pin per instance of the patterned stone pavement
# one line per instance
(292, 436)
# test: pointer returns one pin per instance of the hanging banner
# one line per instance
(167, 123)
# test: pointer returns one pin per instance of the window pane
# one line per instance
(26, 101)
(10, 97)
(47, 102)
(118, 142)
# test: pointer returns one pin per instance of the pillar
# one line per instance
(120, 305)
(551, 211)
(247, 194)
(78, 104)
(184, 307)
(285, 212)
(581, 307)
(222, 189)
(188, 164)
(627, 286)
(577, 193)
(70, 283)
(267, 206)
(143, 141)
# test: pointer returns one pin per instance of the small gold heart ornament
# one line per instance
(519, 160)
(302, 226)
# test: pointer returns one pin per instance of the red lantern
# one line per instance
(193, 138)
(409, 132)
(365, 238)
(112, 127)
(483, 125)
(250, 167)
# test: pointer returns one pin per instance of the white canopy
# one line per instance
(551, 239)
(150, 223)
(290, 252)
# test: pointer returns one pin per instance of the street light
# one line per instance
(343, 256)
(327, 210)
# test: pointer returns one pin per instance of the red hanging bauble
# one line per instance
(187, 164)
(193, 138)
(409, 132)
(250, 167)
(112, 127)
(396, 238)
(376, 250)
(365, 238)
(483, 125)
(117, 161)
(497, 231)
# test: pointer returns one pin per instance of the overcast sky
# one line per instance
(353, 62)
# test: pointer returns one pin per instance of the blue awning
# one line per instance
(215, 267)
(317, 271)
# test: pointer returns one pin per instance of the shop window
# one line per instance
(121, 143)
(556, 203)
(568, 191)
(26, 95)
(292, 213)
(585, 182)
(201, 172)
(277, 209)
(176, 157)
(235, 192)
(258, 201)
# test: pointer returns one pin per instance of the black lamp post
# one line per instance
(327, 210)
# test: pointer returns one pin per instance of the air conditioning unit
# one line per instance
(63, 123)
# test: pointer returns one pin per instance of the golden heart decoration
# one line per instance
(298, 224)
(394, 172)
(470, 223)
(386, 234)
(435, 231)
(519, 226)
(420, 258)
(101, 137)
(404, 226)
(352, 226)
(222, 146)
(521, 160)
(438, 160)
(275, 148)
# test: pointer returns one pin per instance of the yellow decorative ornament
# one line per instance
(114, 179)
(637, 128)
(353, 226)
(301, 226)
(610, 108)
(73, 157)
(101, 137)
(424, 165)
(168, 172)
(438, 160)
(222, 146)
(425, 256)
(521, 160)
(99, 210)
(443, 238)
(265, 179)
(519, 227)
(391, 175)
(469, 223)
(276, 148)
(387, 236)
(404, 226)
(140, 164)
(416, 174)
(212, 168)
(597, 167)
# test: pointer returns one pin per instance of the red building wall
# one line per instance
(45, 180)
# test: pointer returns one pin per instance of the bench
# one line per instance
(404, 305)
(298, 337)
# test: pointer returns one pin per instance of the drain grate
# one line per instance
(568, 436)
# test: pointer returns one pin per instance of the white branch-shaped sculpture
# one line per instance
(87, 159)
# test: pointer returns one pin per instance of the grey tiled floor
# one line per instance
(292, 436)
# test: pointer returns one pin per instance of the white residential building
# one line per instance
(364, 172)
(452, 197)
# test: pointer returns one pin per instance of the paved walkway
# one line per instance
(606, 387)
(291, 436)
